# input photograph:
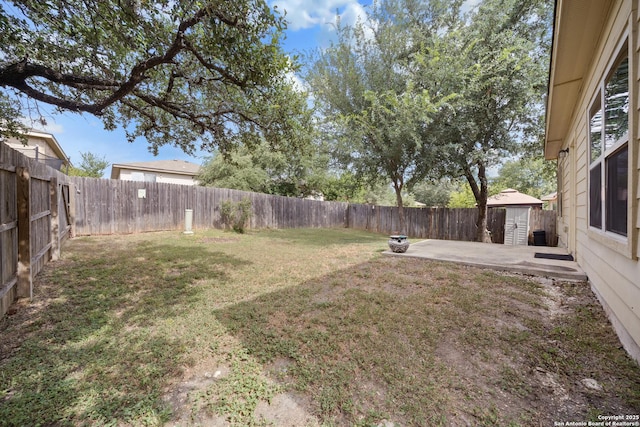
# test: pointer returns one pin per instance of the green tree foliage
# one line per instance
(495, 63)
(462, 197)
(238, 172)
(421, 91)
(435, 193)
(384, 194)
(91, 166)
(534, 177)
(263, 170)
(186, 73)
(364, 87)
(343, 187)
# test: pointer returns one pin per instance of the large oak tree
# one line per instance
(188, 73)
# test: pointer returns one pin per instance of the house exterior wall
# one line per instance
(610, 261)
(168, 178)
(29, 150)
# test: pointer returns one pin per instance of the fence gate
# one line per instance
(36, 214)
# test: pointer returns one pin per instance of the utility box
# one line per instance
(188, 221)
(539, 238)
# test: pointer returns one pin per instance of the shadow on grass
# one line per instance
(422, 343)
(91, 348)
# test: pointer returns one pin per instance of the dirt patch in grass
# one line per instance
(301, 327)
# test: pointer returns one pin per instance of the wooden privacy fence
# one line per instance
(35, 216)
(544, 220)
(114, 207)
(446, 223)
(427, 223)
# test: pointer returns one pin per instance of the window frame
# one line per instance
(618, 241)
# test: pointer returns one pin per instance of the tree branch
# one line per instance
(16, 75)
(212, 67)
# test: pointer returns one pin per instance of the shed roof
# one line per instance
(511, 197)
(178, 167)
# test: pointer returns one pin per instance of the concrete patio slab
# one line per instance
(519, 259)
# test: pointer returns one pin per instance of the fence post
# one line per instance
(23, 193)
(55, 219)
(73, 189)
(347, 216)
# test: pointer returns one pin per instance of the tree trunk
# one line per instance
(481, 193)
(398, 190)
(483, 233)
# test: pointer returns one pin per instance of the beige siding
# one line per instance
(163, 177)
(612, 282)
(31, 143)
(611, 265)
(44, 146)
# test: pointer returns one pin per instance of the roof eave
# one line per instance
(150, 169)
(577, 31)
(53, 143)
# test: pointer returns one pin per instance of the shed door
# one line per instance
(516, 226)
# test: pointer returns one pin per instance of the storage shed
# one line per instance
(518, 205)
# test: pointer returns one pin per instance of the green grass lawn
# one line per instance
(301, 326)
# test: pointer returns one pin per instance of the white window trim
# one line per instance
(614, 241)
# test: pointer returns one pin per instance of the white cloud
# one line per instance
(353, 13)
(302, 14)
(48, 125)
(295, 81)
(469, 5)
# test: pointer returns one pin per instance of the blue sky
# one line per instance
(310, 25)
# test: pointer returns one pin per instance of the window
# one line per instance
(142, 176)
(616, 195)
(608, 151)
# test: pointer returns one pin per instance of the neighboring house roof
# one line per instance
(511, 197)
(576, 33)
(177, 167)
(550, 197)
